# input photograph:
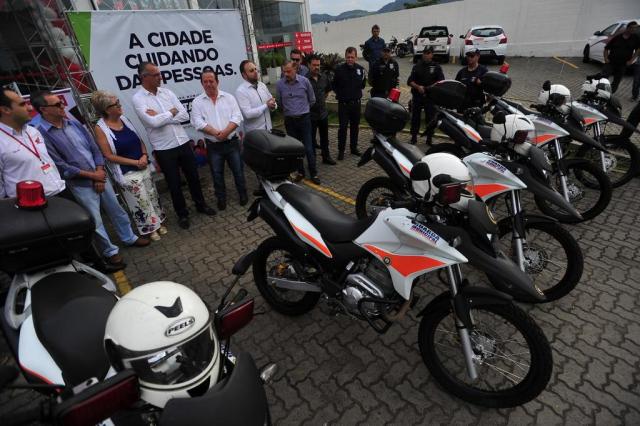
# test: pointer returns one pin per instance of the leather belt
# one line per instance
(235, 138)
(295, 117)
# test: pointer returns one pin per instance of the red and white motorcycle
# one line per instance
(474, 341)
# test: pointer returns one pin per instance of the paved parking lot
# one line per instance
(335, 370)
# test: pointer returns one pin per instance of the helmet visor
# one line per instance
(177, 364)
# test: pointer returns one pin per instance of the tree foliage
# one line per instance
(420, 3)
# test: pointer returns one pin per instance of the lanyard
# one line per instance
(34, 151)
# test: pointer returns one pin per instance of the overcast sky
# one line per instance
(335, 7)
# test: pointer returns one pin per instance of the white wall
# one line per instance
(533, 27)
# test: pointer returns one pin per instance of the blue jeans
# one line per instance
(92, 201)
(300, 128)
(217, 153)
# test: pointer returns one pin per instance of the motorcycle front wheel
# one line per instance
(511, 354)
(621, 163)
(552, 257)
(589, 191)
(276, 259)
(376, 194)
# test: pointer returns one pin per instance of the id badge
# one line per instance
(46, 168)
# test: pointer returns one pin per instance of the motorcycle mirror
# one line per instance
(243, 264)
(546, 85)
(268, 372)
(500, 117)
(420, 171)
(461, 36)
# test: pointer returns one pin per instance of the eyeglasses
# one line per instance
(56, 105)
(117, 103)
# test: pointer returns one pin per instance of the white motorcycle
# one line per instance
(474, 341)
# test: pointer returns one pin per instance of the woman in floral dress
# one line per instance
(128, 162)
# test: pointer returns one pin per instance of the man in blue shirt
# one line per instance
(372, 51)
(81, 164)
(295, 95)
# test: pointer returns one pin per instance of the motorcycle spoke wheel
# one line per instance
(511, 354)
(621, 163)
(589, 191)
(552, 257)
(275, 259)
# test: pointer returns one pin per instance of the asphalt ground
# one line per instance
(335, 370)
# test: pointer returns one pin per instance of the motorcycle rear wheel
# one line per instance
(376, 194)
(493, 355)
(276, 258)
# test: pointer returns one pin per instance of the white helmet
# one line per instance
(163, 331)
(600, 87)
(448, 164)
(517, 129)
(558, 96)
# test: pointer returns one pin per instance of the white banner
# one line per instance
(181, 43)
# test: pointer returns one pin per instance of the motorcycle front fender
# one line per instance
(504, 226)
(614, 118)
(496, 265)
(541, 188)
(578, 135)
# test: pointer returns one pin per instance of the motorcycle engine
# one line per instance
(375, 281)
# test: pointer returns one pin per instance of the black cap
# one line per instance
(472, 52)
(428, 49)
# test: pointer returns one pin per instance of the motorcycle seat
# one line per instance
(239, 399)
(333, 225)
(412, 152)
(70, 311)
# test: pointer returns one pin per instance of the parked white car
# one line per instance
(594, 49)
(490, 40)
(436, 37)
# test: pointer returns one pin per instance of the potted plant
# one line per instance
(271, 62)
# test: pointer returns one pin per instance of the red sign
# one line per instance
(304, 42)
(266, 46)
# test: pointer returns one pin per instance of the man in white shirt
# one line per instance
(254, 99)
(23, 154)
(161, 113)
(217, 115)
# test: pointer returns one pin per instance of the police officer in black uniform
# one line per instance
(348, 81)
(424, 74)
(471, 76)
(384, 75)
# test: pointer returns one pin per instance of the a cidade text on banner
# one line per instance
(182, 44)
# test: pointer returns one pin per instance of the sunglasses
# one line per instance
(295, 59)
(116, 104)
(56, 105)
